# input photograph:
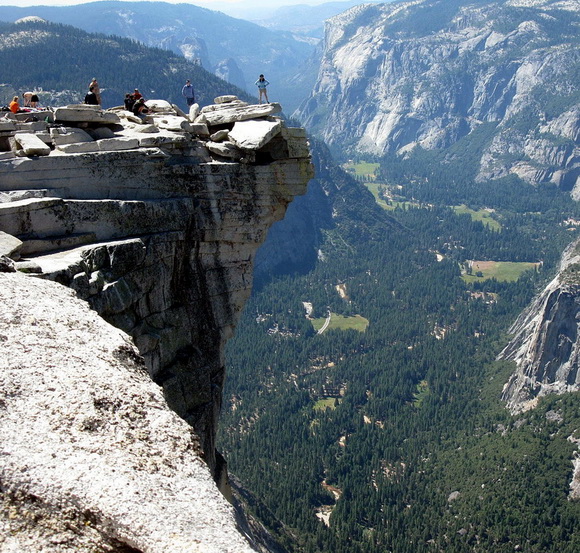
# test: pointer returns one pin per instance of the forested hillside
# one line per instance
(386, 432)
(60, 61)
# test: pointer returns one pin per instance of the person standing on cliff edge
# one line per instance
(262, 83)
(188, 93)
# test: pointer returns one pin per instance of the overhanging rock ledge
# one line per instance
(155, 222)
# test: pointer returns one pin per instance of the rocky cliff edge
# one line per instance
(154, 221)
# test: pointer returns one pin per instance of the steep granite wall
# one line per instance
(155, 222)
(432, 73)
(546, 342)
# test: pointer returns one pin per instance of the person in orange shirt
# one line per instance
(14, 105)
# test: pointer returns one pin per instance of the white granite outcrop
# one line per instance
(157, 231)
(92, 457)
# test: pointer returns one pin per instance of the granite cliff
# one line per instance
(155, 223)
(499, 76)
(545, 344)
(545, 347)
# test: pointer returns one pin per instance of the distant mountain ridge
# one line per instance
(306, 19)
(120, 65)
(200, 35)
(429, 73)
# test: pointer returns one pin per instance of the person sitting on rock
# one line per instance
(91, 98)
(129, 101)
(140, 108)
(137, 95)
(96, 89)
(14, 105)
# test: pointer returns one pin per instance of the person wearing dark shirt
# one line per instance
(140, 108)
(91, 98)
(129, 101)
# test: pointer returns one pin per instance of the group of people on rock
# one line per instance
(30, 103)
(135, 103)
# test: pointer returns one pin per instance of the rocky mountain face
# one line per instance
(546, 342)
(431, 73)
(546, 347)
(334, 201)
(231, 48)
(155, 222)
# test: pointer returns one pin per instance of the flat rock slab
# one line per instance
(69, 135)
(85, 114)
(78, 147)
(219, 136)
(115, 144)
(101, 132)
(104, 145)
(200, 129)
(253, 135)
(239, 113)
(60, 243)
(31, 145)
(32, 126)
(220, 107)
(231, 151)
(172, 123)
(225, 149)
(7, 125)
(225, 99)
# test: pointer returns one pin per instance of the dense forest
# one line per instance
(392, 437)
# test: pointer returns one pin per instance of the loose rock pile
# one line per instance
(224, 127)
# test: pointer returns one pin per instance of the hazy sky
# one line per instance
(233, 7)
